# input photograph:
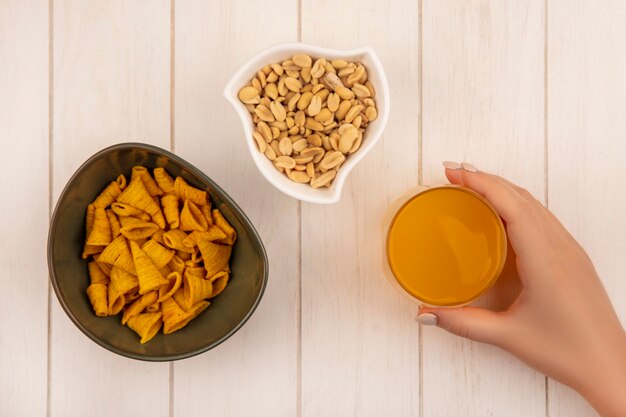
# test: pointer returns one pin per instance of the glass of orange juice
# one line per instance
(446, 245)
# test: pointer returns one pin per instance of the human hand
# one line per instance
(562, 323)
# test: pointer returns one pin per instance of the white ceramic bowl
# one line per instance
(279, 53)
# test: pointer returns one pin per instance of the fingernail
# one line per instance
(452, 165)
(427, 319)
(469, 167)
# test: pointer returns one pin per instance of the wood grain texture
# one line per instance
(483, 102)
(587, 145)
(111, 84)
(24, 208)
(360, 345)
(256, 371)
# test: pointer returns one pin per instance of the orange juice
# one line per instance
(446, 246)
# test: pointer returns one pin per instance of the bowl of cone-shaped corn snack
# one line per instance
(150, 258)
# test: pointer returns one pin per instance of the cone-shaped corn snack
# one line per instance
(197, 308)
(142, 173)
(191, 218)
(114, 223)
(174, 317)
(101, 231)
(163, 180)
(213, 234)
(215, 256)
(108, 196)
(195, 260)
(166, 291)
(185, 191)
(97, 275)
(98, 296)
(170, 209)
(116, 301)
(146, 325)
(134, 229)
(219, 282)
(220, 221)
(174, 239)
(158, 253)
(139, 305)
(122, 281)
(137, 196)
(118, 254)
(158, 236)
(206, 210)
(126, 210)
(132, 295)
(195, 289)
(89, 219)
(148, 274)
(177, 265)
(106, 268)
(154, 307)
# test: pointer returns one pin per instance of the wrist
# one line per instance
(604, 386)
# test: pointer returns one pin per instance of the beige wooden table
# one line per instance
(534, 90)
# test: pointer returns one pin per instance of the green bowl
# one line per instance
(68, 271)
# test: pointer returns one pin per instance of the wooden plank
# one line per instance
(111, 84)
(24, 209)
(483, 101)
(254, 372)
(586, 131)
(360, 344)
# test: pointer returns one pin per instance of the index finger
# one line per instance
(507, 201)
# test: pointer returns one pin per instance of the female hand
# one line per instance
(562, 323)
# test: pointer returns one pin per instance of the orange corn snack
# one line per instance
(220, 221)
(142, 174)
(156, 252)
(146, 325)
(89, 219)
(97, 275)
(163, 180)
(174, 240)
(126, 210)
(137, 196)
(185, 192)
(122, 281)
(219, 282)
(135, 229)
(139, 305)
(98, 296)
(166, 291)
(195, 289)
(213, 234)
(206, 210)
(159, 254)
(174, 317)
(116, 301)
(170, 209)
(147, 272)
(108, 196)
(106, 268)
(101, 230)
(118, 254)
(114, 223)
(153, 308)
(191, 218)
(215, 256)
(177, 264)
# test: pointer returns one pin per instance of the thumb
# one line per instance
(473, 323)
